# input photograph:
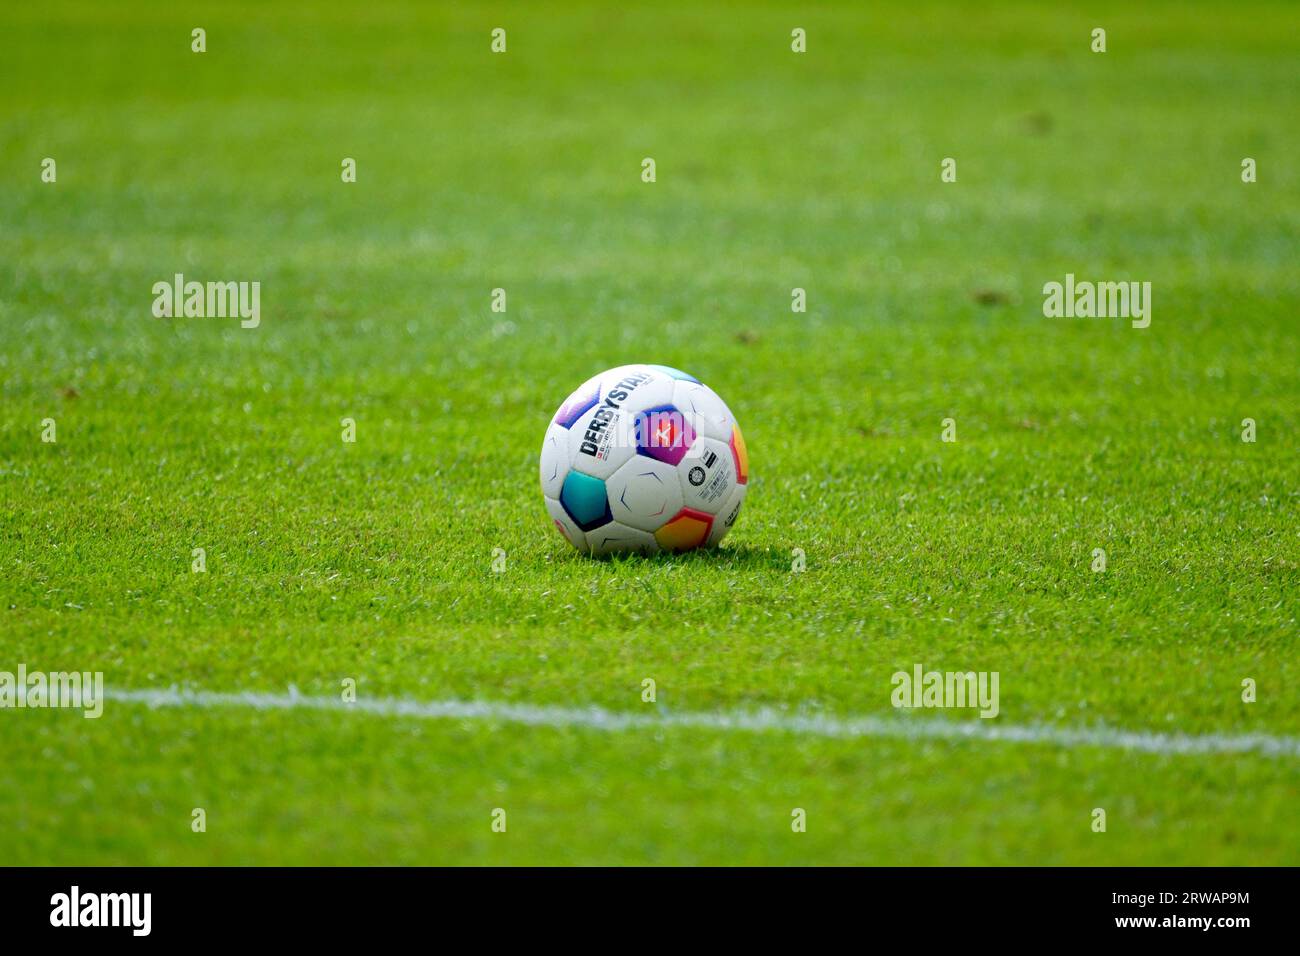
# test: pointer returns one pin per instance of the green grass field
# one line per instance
(775, 170)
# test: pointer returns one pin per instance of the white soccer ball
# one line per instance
(643, 458)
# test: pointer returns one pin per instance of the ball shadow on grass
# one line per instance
(738, 557)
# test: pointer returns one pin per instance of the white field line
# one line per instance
(753, 721)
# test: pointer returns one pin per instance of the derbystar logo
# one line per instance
(607, 414)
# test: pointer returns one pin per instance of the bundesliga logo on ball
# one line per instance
(643, 458)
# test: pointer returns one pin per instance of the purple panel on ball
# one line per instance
(664, 434)
(578, 403)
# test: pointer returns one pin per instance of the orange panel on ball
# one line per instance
(688, 529)
(741, 454)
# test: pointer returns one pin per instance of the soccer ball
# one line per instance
(643, 458)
